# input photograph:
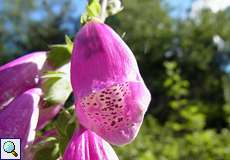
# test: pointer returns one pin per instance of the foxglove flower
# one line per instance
(20, 75)
(19, 119)
(86, 145)
(110, 94)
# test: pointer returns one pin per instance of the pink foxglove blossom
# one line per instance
(20, 75)
(19, 119)
(111, 97)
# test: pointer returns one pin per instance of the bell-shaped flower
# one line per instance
(19, 119)
(20, 75)
(86, 145)
(111, 97)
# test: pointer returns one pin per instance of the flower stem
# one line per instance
(103, 13)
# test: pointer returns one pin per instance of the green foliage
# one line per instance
(156, 142)
(52, 147)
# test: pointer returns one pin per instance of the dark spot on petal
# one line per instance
(113, 123)
(119, 119)
(111, 108)
(104, 109)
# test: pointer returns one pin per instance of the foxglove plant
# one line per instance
(86, 145)
(111, 97)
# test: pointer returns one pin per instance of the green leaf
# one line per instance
(65, 124)
(49, 151)
(53, 74)
(92, 10)
(69, 44)
(65, 119)
(60, 54)
(56, 87)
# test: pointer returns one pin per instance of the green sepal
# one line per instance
(92, 10)
(47, 149)
(65, 124)
(60, 54)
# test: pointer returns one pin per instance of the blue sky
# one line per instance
(179, 7)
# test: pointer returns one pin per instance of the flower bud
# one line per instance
(86, 145)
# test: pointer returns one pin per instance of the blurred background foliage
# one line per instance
(181, 63)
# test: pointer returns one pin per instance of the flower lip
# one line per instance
(115, 113)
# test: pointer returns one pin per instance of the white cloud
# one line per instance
(214, 5)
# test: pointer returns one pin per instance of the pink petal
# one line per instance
(86, 145)
(20, 75)
(110, 94)
(19, 118)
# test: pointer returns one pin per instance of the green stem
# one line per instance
(103, 13)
